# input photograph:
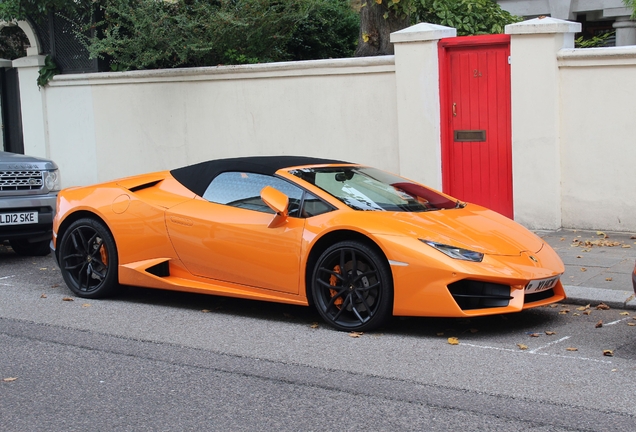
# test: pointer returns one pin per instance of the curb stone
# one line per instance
(612, 298)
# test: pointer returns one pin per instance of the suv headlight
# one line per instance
(456, 252)
(52, 180)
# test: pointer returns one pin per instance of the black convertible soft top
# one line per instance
(197, 177)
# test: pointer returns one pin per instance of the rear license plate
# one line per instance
(539, 285)
(18, 218)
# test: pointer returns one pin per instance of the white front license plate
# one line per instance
(542, 284)
(18, 218)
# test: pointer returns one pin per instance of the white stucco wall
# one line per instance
(109, 125)
(598, 138)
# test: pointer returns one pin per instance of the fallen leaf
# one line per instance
(633, 237)
(601, 233)
(564, 312)
(576, 314)
(453, 341)
(587, 312)
(554, 305)
(586, 250)
(522, 346)
(9, 379)
(625, 246)
(67, 299)
(314, 325)
(550, 333)
(562, 238)
(571, 349)
(85, 305)
(614, 370)
(582, 308)
(534, 335)
(583, 269)
(55, 285)
(599, 324)
(473, 330)
(579, 256)
(631, 324)
(624, 313)
(43, 268)
(602, 306)
(205, 310)
(356, 334)
(43, 296)
(608, 353)
(440, 334)
(609, 279)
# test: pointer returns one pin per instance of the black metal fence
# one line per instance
(63, 37)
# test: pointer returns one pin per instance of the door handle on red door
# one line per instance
(454, 109)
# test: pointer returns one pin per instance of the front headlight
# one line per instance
(52, 180)
(456, 252)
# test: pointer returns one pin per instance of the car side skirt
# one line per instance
(139, 274)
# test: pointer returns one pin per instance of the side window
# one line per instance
(314, 206)
(243, 190)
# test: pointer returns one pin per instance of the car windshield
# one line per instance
(370, 189)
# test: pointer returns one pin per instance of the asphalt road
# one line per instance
(153, 360)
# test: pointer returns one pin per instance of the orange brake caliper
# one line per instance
(102, 252)
(333, 280)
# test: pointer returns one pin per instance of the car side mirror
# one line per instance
(277, 201)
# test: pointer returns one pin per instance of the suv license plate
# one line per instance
(18, 218)
(542, 284)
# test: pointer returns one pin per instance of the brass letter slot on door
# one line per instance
(469, 135)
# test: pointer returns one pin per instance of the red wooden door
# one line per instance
(476, 122)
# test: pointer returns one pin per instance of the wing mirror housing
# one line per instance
(277, 201)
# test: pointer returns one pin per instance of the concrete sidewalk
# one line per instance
(598, 266)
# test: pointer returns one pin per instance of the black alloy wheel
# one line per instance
(88, 259)
(352, 287)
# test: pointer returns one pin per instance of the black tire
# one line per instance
(88, 259)
(360, 298)
(24, 248)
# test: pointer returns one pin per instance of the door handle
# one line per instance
(454, 109)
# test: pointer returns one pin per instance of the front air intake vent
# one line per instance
(538, 296)
(471, 294)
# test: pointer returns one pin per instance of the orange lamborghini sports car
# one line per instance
(358, 243)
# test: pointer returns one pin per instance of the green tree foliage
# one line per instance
(19, 9)
(631, 4)
(469, 17)
(13, 43)
(593, 41)
(147, 34)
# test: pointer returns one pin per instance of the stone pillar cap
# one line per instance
(29, 61)
(543, 25)
(422, 32)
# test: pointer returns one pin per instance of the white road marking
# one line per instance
(616, 322)
(551, 343)
(525, 352)
(6, 277)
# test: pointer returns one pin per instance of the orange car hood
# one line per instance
(472, 227)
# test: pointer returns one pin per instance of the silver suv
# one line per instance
(28, 190)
